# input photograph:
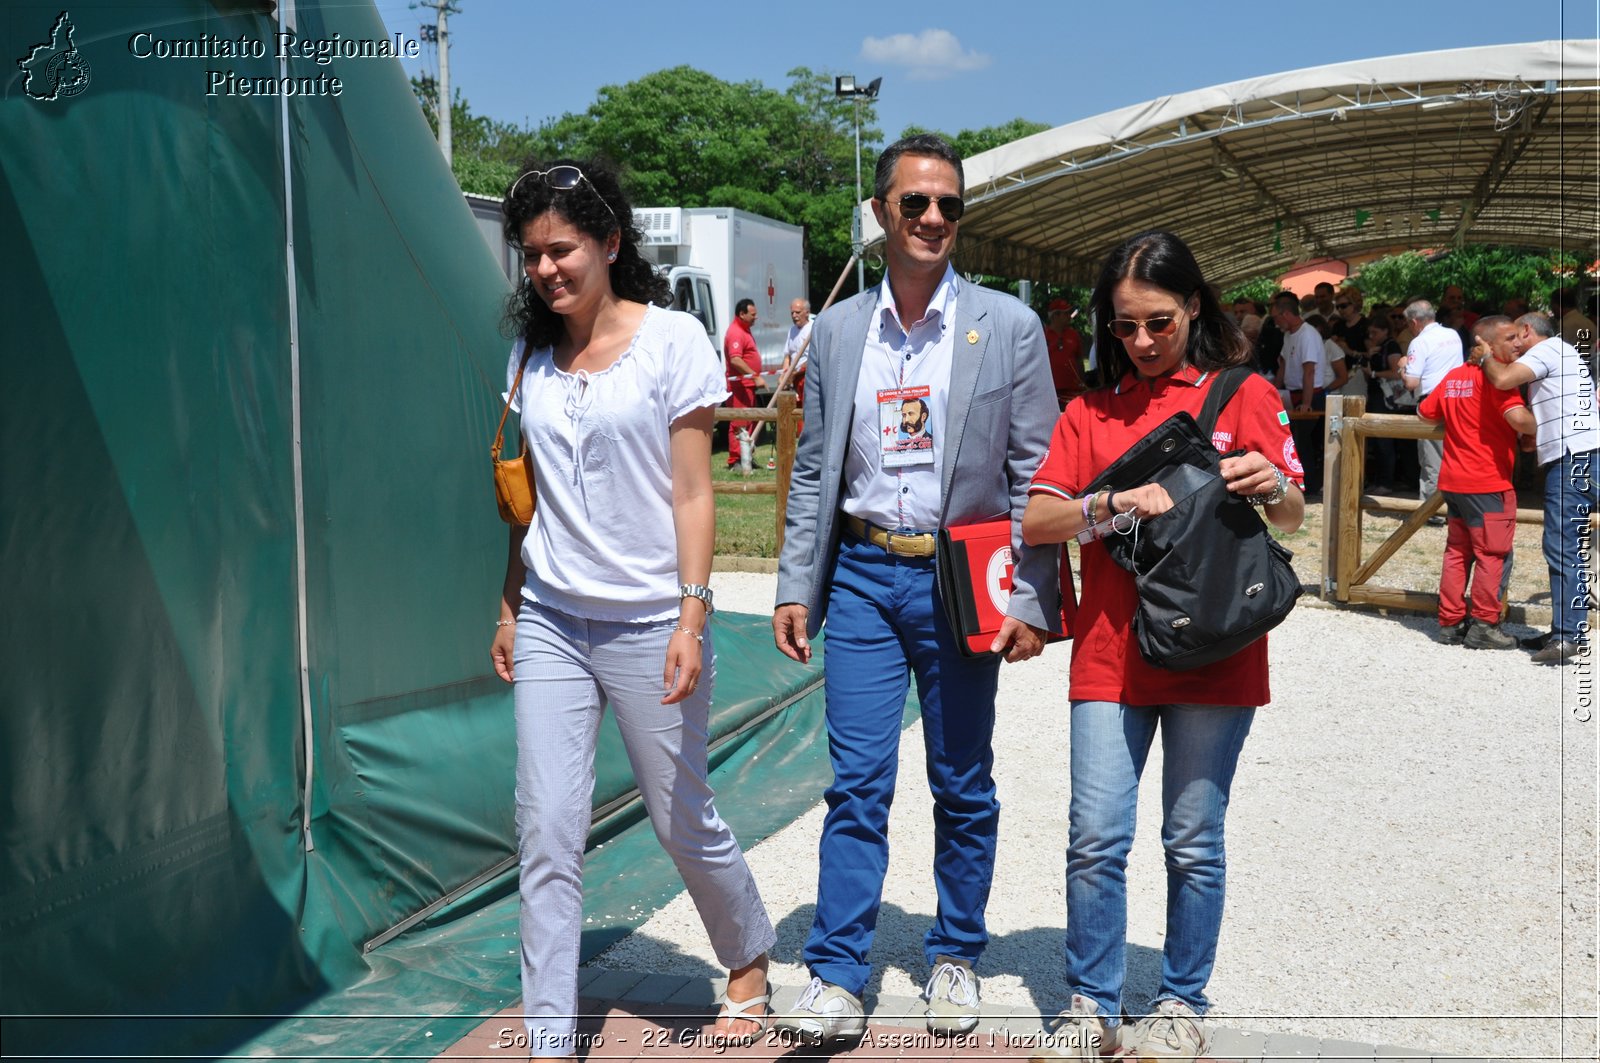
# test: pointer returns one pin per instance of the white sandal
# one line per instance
(740, 1009)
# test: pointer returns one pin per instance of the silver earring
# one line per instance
(612, 257)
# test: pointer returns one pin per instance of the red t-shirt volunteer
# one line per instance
(1480, 446)
(1092, 433)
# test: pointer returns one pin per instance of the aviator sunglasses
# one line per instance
(914, 205)
(1126, 328)
(564, 179)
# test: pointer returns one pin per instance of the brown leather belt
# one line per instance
(896, 543)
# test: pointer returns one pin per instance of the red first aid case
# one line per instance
(975, 566)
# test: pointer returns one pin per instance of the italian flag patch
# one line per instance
(1283, 416)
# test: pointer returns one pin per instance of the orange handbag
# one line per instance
(513, 478)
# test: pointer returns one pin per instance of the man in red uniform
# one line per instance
(743, 364)
(1481, 423)
(1065, 347)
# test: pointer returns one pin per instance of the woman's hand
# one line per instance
(1249, 474)
(682, 671)
(1145, 501)
(500, 650)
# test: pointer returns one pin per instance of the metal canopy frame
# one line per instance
(1489, 145)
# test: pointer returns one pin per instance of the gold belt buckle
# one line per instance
(907, 545)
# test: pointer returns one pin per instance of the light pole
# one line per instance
(845, 86)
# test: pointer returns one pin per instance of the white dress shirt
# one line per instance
(1431, 354)
(897, 356)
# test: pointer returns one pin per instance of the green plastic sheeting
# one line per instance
(154, 740)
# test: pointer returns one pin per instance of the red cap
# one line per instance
(1059, 304)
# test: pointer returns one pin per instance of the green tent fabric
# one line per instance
(156, 741)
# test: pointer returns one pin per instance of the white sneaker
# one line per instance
(823, 1013)
(1080, 1033)
(952, 996)
(1173, 1033)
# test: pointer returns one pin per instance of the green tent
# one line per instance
(251, 365)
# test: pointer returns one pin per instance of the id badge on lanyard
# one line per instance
(905, 431)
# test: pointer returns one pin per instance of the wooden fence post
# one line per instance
(788, 418)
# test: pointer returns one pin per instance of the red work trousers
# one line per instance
(1477, 554)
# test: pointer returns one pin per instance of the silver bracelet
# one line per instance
(693, 634)
(1279, 492)
(504, 623)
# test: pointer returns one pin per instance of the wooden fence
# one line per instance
(785, 414)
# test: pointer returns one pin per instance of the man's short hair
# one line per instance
(1321, 285)
(1488, 323)
(1420, 310)
(805, 304)
(742, 305)
(1286, 301)
(1541, 325)
(930, 145)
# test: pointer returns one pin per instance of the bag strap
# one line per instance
(499, 432)
(1222, 391)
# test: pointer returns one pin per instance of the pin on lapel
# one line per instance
(972, 336)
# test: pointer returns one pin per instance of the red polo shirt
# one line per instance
(1064, 348)
(1480, 446)
(737, 342)
(1092, 433)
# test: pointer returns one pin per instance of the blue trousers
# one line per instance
(885, 625)
(1200, 749)
(1570, 496)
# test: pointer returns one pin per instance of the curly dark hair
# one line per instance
(1161, 258)
(584, 206)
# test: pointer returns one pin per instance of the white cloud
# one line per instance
(927, 56)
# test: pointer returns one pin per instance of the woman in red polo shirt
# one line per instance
(1163, 337)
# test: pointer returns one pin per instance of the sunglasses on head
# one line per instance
(564, 179)
(1126, 328)
(915, 205)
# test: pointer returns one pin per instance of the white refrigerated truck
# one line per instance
(715, 256)
(712, 257)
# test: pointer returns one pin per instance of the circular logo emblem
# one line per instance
(998, 579)
(67, 74)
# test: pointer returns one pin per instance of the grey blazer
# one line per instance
(1002, 409)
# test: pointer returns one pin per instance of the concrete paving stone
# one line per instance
(587, 975)
(698, 993)
(653, 988)
(610, 985)
(898, 1011)
(995, 1017)
(1347, 1050)
(1243, 1045)
(1393, 1054)
(1290, 1046)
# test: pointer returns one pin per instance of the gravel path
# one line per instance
(1412, 843)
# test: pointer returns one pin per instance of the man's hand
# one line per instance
(1018, 640)
(789, 632)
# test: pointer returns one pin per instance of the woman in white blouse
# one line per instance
(605, 599)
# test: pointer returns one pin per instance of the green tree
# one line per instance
(970, 142)
(1484, 272)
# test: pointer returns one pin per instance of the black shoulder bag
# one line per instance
(1210, 577)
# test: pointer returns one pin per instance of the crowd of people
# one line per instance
(931, 403)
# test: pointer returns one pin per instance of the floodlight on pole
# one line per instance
(844, 86)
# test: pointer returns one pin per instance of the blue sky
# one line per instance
(949, 65)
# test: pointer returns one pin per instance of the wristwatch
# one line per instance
(697, 590)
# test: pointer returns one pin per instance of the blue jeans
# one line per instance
(1570, 495)
(883, 619)
(1200, 749)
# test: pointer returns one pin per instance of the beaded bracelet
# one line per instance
(504, 623)
(693, 634)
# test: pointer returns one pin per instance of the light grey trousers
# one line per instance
(1430, 455)
(568, 670)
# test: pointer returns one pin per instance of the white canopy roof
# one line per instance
(1496, 144)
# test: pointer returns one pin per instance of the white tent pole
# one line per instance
(308, 738)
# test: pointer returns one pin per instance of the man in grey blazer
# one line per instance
(864, 505)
